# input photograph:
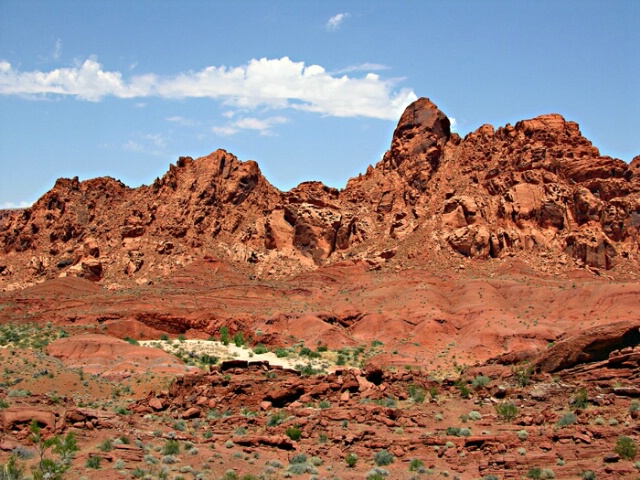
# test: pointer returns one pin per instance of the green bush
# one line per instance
(93, 462)
(581, 400)
(276, 419)
(298, 458)
(506, 410)
(171, 447)
(383, 457)
(626, 447)
(453, 431)
(351, 460)
(294, 433)
(589, 475)
(417, 393)
(106, 445)
(480, 381)
(567, 419)
(475, 416)
(224, 336)
(238, 339)
(415, 465)
(281, 353)
(259, 349)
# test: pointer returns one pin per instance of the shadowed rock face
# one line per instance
(538, 188)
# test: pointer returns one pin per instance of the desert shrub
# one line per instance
(3, 403)
(106, 445)
(299, 458)
(19, 392)
(377, 474)
(581, 399)
(276, 419)
(415, 464)
(259, 349)
(535, 473)
(120, 464)
(281, 353)
(567, 419)
(132, 341)
(238, 339)
(464, 391)
(506, 410)
(522, 451)
(433, 391)
(138, 473)
(383, 457)
(230, 475)
(465, 432)
(93, 462)
(453, 431)
(523, 374)
(351, 460)
(12, 470)
(626, 447)
(490, 477)
(417, 393)
(480, 381)
(224, 336)
(324, 404)
(473, 415)
(169, 459)
(171, 447)
(589, 475)
(275, 464)
(23, 453)
(207, 359)
(294, 433)
(522, 435)
(316, 461)
(599, 421)
(635, 406)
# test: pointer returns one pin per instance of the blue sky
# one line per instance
(311, 90)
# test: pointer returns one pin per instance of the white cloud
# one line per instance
(334, 22)
(57, 49)
(225, 131)
(271, 83)
(262, 125)
(454, 124)
(11, 205)
(185, 122)
(148, 144)
(362, 67)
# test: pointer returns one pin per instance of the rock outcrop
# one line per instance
(538, 187)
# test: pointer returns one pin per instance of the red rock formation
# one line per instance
(538, 187)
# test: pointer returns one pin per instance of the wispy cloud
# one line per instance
(185, 122)
(334, 22)
(10, 205)
(148, 144)
(57, 50)
(262, 125)
(454, 124)
(361, 67)
(269, 83)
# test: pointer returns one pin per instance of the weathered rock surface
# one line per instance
(538, 188)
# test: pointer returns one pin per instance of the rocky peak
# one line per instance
(418, 142)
